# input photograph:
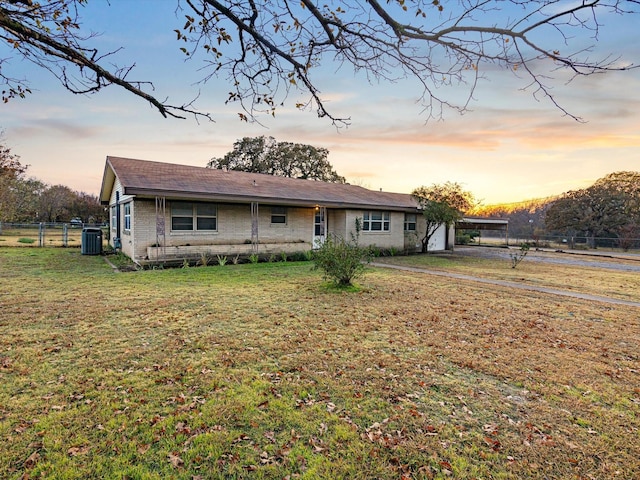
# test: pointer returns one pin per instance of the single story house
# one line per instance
(162, 212)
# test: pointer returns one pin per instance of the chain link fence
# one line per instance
(560, 242)
(70, 235)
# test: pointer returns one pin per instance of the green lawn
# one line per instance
(261, 371)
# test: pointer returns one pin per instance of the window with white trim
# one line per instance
(114, 217)
(189, 216)
(376, 222)
(279, 215)
(127, 216)
(409, 222)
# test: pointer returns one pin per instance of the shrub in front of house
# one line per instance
(341, 261)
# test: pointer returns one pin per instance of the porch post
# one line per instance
(254, 227)
(161, 239)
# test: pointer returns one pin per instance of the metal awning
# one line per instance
(471, 223)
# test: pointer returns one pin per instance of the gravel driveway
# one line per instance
(627, 262)
(605, 260)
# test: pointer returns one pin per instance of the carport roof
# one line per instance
(477, 223)
(149, 179)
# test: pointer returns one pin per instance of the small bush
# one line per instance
(26, 240)
(463, 239)
(340, 260)
(254, 258)
(222, 261)
(517, 257)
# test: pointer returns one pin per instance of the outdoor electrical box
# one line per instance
(91, 241)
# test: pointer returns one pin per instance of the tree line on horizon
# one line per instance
(27, 199)
(608, 209)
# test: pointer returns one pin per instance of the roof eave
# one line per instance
(108, 180)
(204, 196)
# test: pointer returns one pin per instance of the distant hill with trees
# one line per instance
(526, 218)
(610, 208)
(605, 213)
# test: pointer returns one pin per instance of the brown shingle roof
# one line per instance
(146, 178)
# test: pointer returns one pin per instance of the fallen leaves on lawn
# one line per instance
(175, 460)
(81, 450)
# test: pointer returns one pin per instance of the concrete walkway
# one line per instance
(504, 283)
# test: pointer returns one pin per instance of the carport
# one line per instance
(480, 224)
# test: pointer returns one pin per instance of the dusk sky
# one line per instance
(509, 147)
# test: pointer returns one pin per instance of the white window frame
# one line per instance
(114, 217)
(194, 216)
(370, 218)
(127, 216)
(279, 212)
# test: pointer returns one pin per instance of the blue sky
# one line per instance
(509, 147)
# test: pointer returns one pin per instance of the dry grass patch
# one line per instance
(30, 236)
(256, 371)
(586, 278)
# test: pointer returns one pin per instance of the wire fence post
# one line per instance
(41, 234)
(65, 235)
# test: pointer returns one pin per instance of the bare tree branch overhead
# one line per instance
(269, 49)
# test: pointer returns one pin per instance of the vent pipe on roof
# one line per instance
(255, 184)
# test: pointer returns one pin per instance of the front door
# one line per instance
(319, 227)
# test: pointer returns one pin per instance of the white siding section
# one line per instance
(125, 237)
